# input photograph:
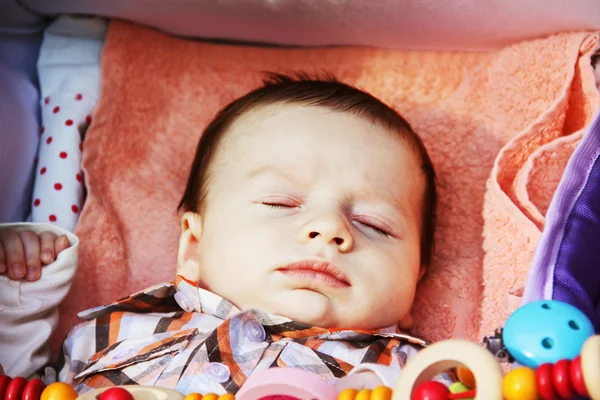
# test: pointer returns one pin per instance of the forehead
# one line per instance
(316, 141)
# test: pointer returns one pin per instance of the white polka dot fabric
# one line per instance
(69, 73)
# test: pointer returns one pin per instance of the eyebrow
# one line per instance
(272, 170)
(391, 201)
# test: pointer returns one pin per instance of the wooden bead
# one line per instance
(14, 391)
(576, 377)
(364, 394)
(431, 390)
(33, 390)
(519, 384)
(348, 394)
(116, 393)
(442, 356)
(381, 393)
(560, 379)
(590, 366)
(543, 380)
(465, 376)
(59, 391)
(4, 381)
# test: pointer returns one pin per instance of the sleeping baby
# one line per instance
(307, 223)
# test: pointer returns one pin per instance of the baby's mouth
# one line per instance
(316, 270)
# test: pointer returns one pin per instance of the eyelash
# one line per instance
(275, 205)
(278, 205)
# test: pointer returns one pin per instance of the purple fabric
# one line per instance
(566, 265)
(577, 269)
(20, 39)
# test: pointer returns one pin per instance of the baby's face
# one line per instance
(314, 215)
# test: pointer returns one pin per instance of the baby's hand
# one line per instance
(358, 381)
(24, 253)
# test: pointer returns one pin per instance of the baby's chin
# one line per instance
(317, 309)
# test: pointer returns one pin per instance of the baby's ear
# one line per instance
(187, 258)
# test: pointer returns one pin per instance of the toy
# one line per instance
(443, 356)
(58, 391)
(15, 389)
(116, 393)
(287, 382)
(33, 390)
(565, 329)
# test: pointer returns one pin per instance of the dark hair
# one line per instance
(325, 92)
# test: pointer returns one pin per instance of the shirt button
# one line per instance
(183, 302)
(254, 331)
(219, 372)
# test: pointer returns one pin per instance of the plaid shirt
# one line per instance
(182, 337)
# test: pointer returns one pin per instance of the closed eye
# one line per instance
(378, 230)
(277, 205)
(374, 225)
(279, 202)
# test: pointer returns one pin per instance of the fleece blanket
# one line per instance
(499, 127)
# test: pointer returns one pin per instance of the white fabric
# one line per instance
(29, 310)
(69, 75)
(387, 375)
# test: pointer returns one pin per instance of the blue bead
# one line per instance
(546, 331)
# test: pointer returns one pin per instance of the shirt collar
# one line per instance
(185, 295)
(202, 300)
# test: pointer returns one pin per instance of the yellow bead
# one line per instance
(465, 376)
(347, 394)
(519, 384)
(364, 394)
(210, 396)
(381, 393)
(58, 391)
(227, 396)
(193, 396)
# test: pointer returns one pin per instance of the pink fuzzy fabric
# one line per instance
(502, 114)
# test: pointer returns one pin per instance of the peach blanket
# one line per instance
(499, 126)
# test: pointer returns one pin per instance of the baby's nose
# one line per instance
(331, 230)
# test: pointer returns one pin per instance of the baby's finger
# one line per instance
(61, 243)
(47, 254)
(15, 256)
(31, 246)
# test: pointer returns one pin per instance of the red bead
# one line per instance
(115, 393)
(33, 390)
(15, 389)
(560, 379)
(4, 381)
(430, 391)
(576, 376)
(543, 380)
